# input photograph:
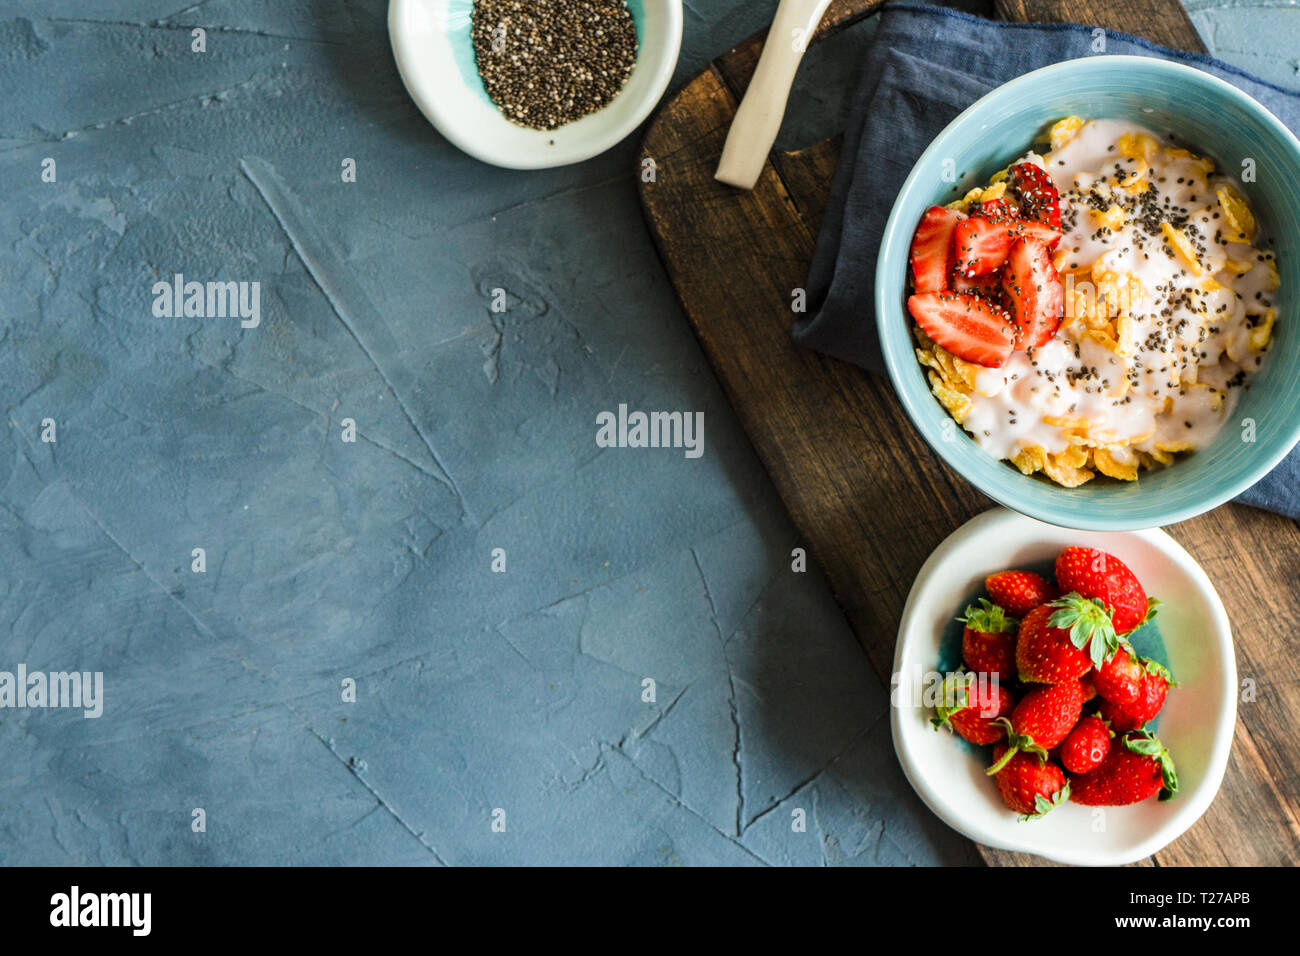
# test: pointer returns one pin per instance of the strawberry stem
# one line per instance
(987, 618)
(1089, 623)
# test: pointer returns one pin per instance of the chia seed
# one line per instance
(546, 63)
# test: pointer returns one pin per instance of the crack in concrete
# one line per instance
(677, 801)
(816, 773)
(351, 768)
(731, 683)
(278, 200)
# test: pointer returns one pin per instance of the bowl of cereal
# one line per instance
(1095, 324)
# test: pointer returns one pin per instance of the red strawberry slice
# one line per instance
(981, 245)
(932, 248)
(1034, 293)
(1036, 193)
(987, 286)
(1031, 229)
(995, 209)
(969, 327)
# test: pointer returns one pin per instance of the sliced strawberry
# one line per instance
(932, 248)
(1034, 293)
(1031, 229)
(995, 209)
(968, 326)
(987, 286)
(981, 245)
(1036, 193)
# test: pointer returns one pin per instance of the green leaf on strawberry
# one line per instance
(987, 618)
(1148, 745)
(1042, 805)
(1017, 743)
(955, 697)
(1153, 608)
(1159, 670)
(1089, 623)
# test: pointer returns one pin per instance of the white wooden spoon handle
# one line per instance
(758, 119)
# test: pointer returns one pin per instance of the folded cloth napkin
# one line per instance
(926, 65)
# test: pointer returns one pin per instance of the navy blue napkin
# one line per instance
(926, 65)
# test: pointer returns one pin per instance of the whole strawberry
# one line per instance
(1120, 678)
(972, 706)
(1153, 687)
(1029, 786)
(1046, 652)
(1042, 719)
(1105, 578)
(1086, 746)
(1137, 767)
(988, 642)
(1019, 592)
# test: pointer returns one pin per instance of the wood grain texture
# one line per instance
(1162, 22)
(870, 498)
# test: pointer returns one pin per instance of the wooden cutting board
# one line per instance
(870, 498)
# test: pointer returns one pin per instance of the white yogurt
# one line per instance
(1190, 350)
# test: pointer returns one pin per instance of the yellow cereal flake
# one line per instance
(1238, 266)
(1000, 175)
(1138, 146)
(1273, 280)
(1262, 333)
(1072, 457)
(1182, 245)
(1112, 218)
(1066, 421)
(1160, 456)
(1116, 291)
(957, 403)
(1117, 462)
(995, 191)
(1136, 186)
(1082, 305)
(1236, 210)
(1057, 468)
(1064, 130)
(1030, 459)
(955, 371)
(1174, 447)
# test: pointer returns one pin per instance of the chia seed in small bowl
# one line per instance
(529, 84)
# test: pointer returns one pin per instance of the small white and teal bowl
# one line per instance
(435, 57)
(1191, 636)
(1207, 115)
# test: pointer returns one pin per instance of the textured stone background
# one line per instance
(371, 560)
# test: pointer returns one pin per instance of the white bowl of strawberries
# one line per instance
(1069, 694)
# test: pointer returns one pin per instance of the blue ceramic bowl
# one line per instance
(1207, 115)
